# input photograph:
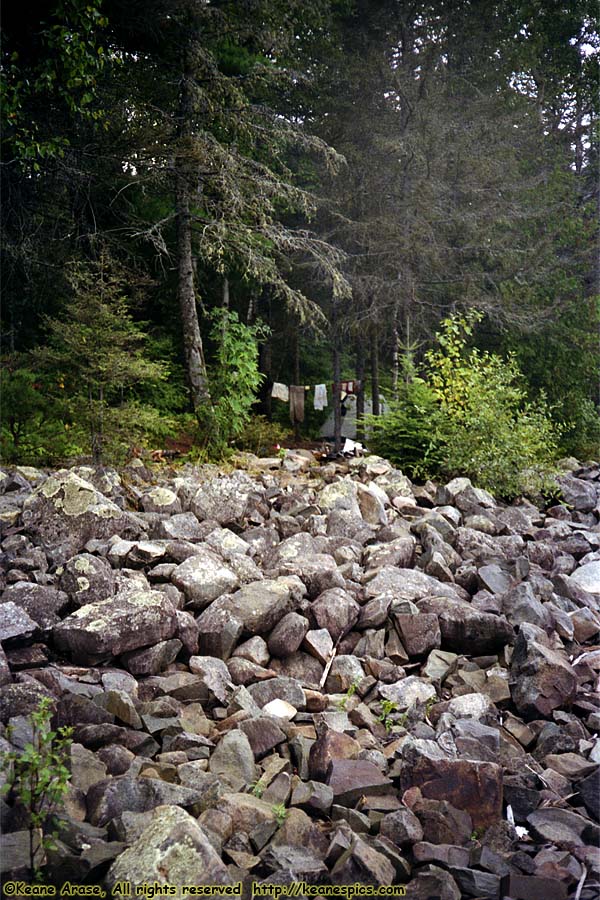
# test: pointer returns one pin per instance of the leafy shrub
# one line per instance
(407, 433)
(234, 376)
(38, 779)
(470, 416)
(34, 430)
(98, 354)
(260, 436)
(581, 429)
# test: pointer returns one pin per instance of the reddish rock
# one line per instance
(349, 779)
(543, 679)
(419, 633)
(532, 887)
(475, 787)
(329, 746)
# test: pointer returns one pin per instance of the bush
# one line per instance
(261, 436)
(234, 377)
(471, 416)
(407, 433)
(581, 429)
(37, 779)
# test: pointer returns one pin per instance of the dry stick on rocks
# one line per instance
(332, 656)
(581, 883)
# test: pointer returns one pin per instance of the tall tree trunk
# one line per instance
(407, 340)
(360, 394)
(337, 405)
(297, 375)
(225, 308)
(186, 292)
(375, 373)
(395, 354)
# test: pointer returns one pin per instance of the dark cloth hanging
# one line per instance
(296, 403)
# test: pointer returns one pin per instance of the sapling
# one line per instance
(37, 777)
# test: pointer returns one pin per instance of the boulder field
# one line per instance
(300, 673)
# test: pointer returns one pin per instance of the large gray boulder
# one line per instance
(259, 606)
(173, 849)
(408, 584)
(542, 678)
(204, 577)
(465, 629)
(226, 500)
(65, 512)
(87, 579)
(110, 627)
(587, 577)
(44, 604)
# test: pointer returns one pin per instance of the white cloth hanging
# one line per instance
(320, 396)
(280, 392)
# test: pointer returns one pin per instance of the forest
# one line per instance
(203, 198)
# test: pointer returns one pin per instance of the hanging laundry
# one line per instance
(320, 396)
(297, 403)
(280, 392)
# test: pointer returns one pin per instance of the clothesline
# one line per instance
(294, 394)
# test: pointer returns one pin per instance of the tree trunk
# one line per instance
(225, 308)
(395, 354)
(297, 375)
(186, 292)
(375, 373)
(360, 394)
(337, 404)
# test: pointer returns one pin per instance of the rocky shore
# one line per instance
(296, 673)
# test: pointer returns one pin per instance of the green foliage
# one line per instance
(581, 428)
(387, 708)
(406, 434)
(489, 430)
(471, 416)
(38, 779)
(261, 437)
(33, 430)
(234, 376)
(97, 352)
(280, 813)
(64, 73)
(257, 789)
(341, 705)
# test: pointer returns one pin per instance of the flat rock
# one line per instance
(465, 629)
(15, 622)
(562, 826)
(108, 799)
(407, 692)
(543, 679)
(407, 584)
(233, 760)
(419, 633)
(259, 606)
(43, 604)
(330, 745)
(349, 779)
(288, 634)
(279, 688)
(87, 579)
(112, 627)
(336, 611)
(587, 577)
(225, 500)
